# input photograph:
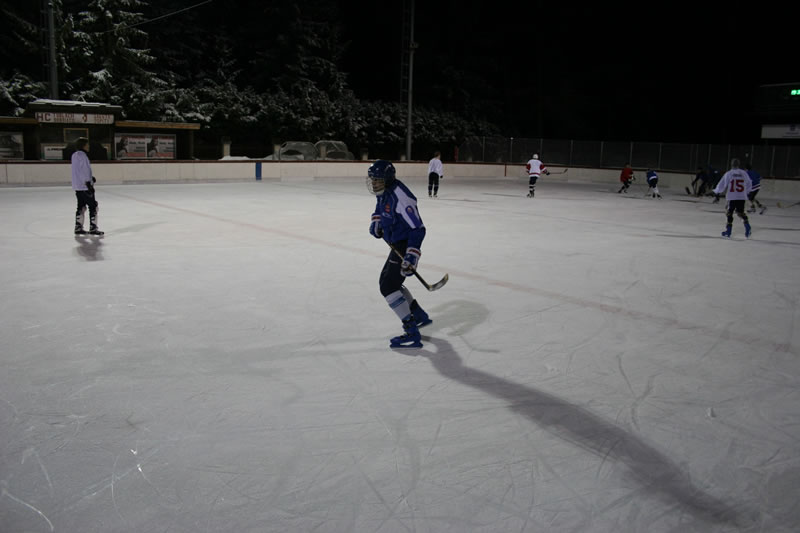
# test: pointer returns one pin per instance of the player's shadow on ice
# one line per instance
(653, 471)
(89, 248)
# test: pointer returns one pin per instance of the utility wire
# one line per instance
(159, 18)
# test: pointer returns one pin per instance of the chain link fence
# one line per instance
(777, 161)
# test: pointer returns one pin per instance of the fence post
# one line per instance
(630, 153)
(772, 163)
(601, 154)
(510, 149)
(660, 145)
(786, 166)
(569, 159)
(483, 148)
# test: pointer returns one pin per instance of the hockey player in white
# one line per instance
(737, 186)
(535, 168)
(83, 185)
(435, 173)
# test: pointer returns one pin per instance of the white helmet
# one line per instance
(536, 156)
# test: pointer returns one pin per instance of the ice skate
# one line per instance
(94, 230)
(79, 230)
(763, 208)
(747, 230)
(410, 339)
(752, 209)
(421, 317)
(727, 232)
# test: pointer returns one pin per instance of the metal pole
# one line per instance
(660, 145)
(788, 157)
(51, 30)
(571, 147)
(511, 150)
(601, 154)
(772, 163)
(412, 45)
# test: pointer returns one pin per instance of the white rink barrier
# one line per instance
(55, 173)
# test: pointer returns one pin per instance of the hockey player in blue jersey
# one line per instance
(755, 179)
(396, 220)
(652, 183)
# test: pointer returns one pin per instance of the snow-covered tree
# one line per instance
(108, 58)
(17, 92)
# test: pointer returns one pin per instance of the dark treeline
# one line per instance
(257, 72)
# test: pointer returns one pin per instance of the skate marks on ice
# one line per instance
(653, 471)
(735, 237)
(89, 248)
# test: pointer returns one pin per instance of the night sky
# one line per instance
(666, 71)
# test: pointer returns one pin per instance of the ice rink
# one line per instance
(219, 362)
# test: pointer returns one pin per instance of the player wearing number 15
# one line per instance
(736, 185)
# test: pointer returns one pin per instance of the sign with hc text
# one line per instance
(74, 118)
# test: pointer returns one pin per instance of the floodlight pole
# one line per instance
(411, 47)
(51, 30)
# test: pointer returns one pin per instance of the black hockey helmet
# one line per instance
(380, 176)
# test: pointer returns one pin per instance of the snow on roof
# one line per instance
(70, 103)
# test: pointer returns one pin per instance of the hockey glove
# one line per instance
(90, 187)
(375, 228)
(410, 261)
(547, 172)
(94, 180)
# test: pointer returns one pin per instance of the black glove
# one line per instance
(94, 180)
(90, 187)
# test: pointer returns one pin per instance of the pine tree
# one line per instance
(108, 59)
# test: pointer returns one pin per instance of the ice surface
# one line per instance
(219, 362)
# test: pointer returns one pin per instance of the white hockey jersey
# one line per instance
(535, 167)
(435, 165)
(735, 183)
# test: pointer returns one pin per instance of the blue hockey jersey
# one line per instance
(755, 179)
(400, 219)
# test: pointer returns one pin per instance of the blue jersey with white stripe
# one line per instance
(400, 219)
(755, 178)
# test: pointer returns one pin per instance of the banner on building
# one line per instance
(144, 146)
(53, 151)
(11, 145)
(780, 131)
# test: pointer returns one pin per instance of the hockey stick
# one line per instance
(783, 206)
(438, 285)
(562, 172)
